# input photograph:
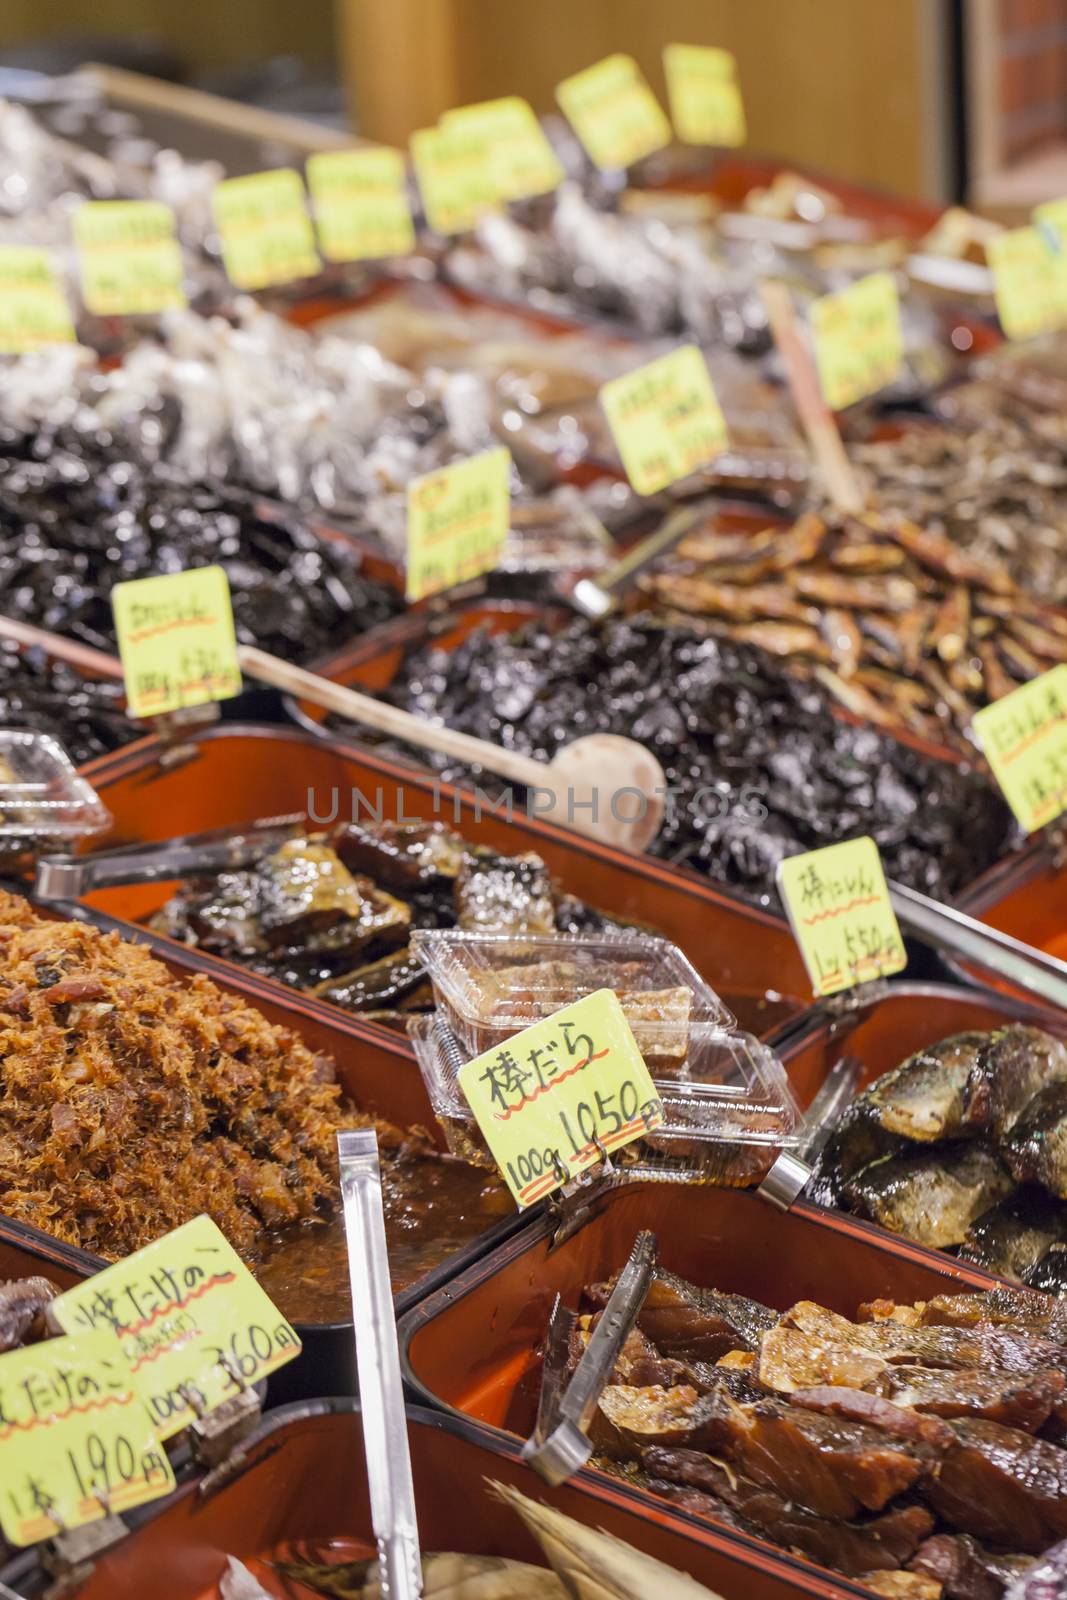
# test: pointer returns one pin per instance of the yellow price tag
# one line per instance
(76, 1441)
(859, 344)
(458, 520)
(33, 307)
(1029, 281)
(614, 112)
(176, 640)
(1051, 220)
(552, 1100)
(360, 200)
(838, 903)
(705, 96)
(130, 258)
(264, 229)
(191, 1322)
(456, 179)
(1024, 738)
(521, 159)
(665, 418)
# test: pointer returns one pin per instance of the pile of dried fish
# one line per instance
(964, 1147)
(759, 767)
(42, 695)
(906, 628)
(902, 1449)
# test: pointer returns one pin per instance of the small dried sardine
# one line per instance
(877, 556)
(932, 1197)
(1035, 1149)
(940, 555)
(782, 639)
(855, 698)
(1041, 641)
(736, 602)
(863, 594)
(997, 682)
(948, 633)
(844, 639)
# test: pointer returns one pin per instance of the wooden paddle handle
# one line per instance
(815, 414)
(390, 719)
(82, 656)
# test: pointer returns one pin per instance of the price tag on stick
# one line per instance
(176, 640)
(1029, 281)
(453, 164)
(1024, 738)
(561, 1095)
(520, 157)
(264, 229)
(457, 522)
(131, 262)
(361, 204)
(190, 1319)
(33, 307)
(614, 112)
(859, 344)
(665, 418)
(838, 903)
(705, 97)
(76, 1439)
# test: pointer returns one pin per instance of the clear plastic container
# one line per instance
(44, 803)
(490, 986)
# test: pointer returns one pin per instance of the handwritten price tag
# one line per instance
(665, 418)
(1024, 738)
(1029, 281)
(176, 640)
(838, 903)
(705, 97)
(521, 159)
(859, 345)
(458, 521)
(33, 307)
(614, 112)
(130, 259)
(561, 1095)
(192, 1322)
(264, 229)
(454, 167)
(76, 1440)
(361, 206)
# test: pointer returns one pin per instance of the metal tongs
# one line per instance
(65, 878)
(791, 1173)
(595, 597)
(559, 1444)
(385, 1434)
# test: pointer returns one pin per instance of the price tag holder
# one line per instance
(191, 1321)
(33, 307)
(665, 418)
(705, 96)
(264, 229)
(458, 519)
(130, 258)
(176, 640)
(360, 200)
(838, 904)
(561, 1095)
(1024, 738)
(522, 161)
(76, 1440)
(613, 111)
(859, 343)
(1029, 281)
(454, 167)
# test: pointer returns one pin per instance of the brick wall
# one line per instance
(1031, 49)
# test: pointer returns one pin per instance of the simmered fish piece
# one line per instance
(924, 1098)
(1012, 1237)
(965, 1569)
(989, 1347)
(504, 894)
(930, 1196)
(400, 855)
(1001, 1485)
(220, 913)
(858, 1139)
(1018, 1308)
(1050, 1274)
(693, 1324)
(1035, 1150)
(308, 896)
(1013, 1065)
(381, 985)
(693, 1480)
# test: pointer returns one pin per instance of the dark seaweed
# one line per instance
(758, 765)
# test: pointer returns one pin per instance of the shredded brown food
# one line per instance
(133, 1101)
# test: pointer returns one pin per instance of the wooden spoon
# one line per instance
(603, 786)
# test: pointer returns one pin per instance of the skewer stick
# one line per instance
(817, 418)
(82, 656)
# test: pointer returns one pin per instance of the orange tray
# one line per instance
(236, 773)
(301, 1484)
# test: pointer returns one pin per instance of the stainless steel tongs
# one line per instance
(559, 1444)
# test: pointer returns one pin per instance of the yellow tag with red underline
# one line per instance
(561, 1095)
(705, 97)
(176, 640)
(858, 339)
(76, 1439)
(130, 258)
(1024, 738)
(33, 306)
(458, 520)
(613, 111)
(189, 1319)
(665, 418)
(521, 159)
(454, 167)
(264, 229)
(361, 204)
(838, 903)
